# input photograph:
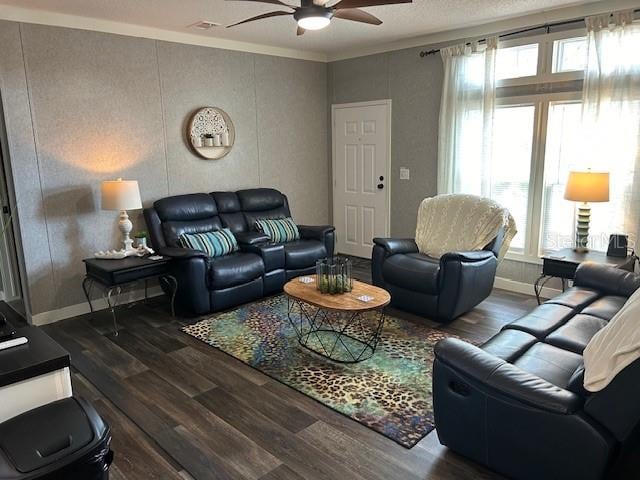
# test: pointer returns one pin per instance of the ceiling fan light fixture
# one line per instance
(313, 18)
(313, 23)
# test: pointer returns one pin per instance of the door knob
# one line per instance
(380, 186)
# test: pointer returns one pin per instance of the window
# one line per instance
(511, 163)
(518, 61)
(569, 54)
(562, 154)
(538, 139)
(545, 120)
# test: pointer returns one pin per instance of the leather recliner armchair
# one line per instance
(441, 289)
(517, 404)
(259, 268)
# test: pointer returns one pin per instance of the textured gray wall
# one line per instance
(414, 84)
(82, 107)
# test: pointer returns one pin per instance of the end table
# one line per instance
(112, 275)
(564, 263)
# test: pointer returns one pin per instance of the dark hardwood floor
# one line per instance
(181, 409)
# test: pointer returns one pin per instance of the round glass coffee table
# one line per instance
(345, 327)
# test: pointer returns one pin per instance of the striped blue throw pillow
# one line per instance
(279, 229)
(215, 244)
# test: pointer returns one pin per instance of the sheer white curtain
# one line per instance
(466, 118)
(611, 121)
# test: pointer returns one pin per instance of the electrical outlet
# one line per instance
(405, 173)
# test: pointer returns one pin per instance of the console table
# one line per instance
(112, 275)
(563, 264)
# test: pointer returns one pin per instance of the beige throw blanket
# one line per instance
(461, 223)
(614, 347)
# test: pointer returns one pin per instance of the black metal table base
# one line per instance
(542, 281)
(340, 336)
(112, 293)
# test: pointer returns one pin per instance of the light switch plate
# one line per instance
(405, 173)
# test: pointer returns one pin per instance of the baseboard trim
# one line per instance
(522, 287)
(70, 311)
(52, 316)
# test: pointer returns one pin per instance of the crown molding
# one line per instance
(471, 31)
(43, 17)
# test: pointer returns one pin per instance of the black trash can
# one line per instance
(66, 440)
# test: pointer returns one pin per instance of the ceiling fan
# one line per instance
(316, 14)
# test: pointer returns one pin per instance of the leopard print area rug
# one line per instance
(389, 393)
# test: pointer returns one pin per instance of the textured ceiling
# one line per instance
(400, 21)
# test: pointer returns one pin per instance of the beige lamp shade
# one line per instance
(587, 187)
(121, 195)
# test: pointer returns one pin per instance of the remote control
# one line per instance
(13, 343)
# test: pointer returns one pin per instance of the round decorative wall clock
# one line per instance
(211, 133)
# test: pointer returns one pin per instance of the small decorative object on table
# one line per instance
(141, 239)
(111, 254)
(334, 275)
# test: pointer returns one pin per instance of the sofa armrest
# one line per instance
(251, 238)
(606, 279)
(315, 232)
(474, 256)
(322, 233)
(393, 246)
(466, 279)
(495, 245)
(181, 253)
(504, 379)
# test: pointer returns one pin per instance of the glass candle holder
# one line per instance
(333, 275)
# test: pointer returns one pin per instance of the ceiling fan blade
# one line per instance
(274, 2)
(366, 3)
(260, 17)
(300, 31)
(322, 3)
(357, 15)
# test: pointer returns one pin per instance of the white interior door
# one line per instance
(361, 169)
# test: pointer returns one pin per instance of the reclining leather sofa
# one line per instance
(259, 268)
(441, 289)
(517, 403)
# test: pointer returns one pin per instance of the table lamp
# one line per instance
(586, 187)
(122, 195)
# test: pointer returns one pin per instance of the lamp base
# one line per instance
(582, 228)
(126, 226)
